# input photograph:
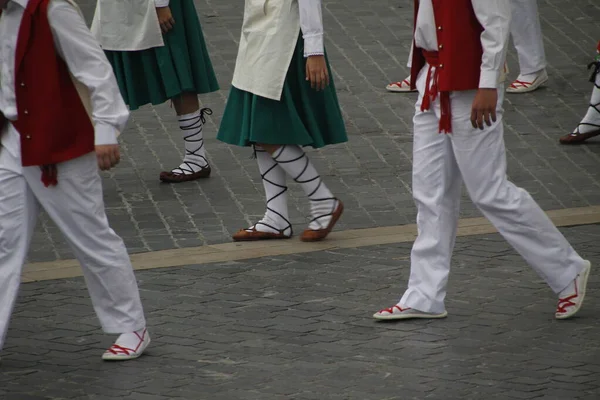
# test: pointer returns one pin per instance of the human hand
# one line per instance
(108, 156)
(165, 19)
(484, 108)
(317, 73)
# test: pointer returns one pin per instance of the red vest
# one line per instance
(52, 121)
(459, 46)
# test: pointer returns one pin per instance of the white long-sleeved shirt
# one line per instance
(84, 58)
(493, 15)
(311, 24)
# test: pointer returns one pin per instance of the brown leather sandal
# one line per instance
(176, 177)
(312, 235)
(577, 138)
(252, 235)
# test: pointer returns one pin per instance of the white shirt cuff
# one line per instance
(489, 79)
(313, 45)
(105, 134)
(161, 3)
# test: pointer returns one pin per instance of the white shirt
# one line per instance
(82, 54)
(494, 16)
(311, 24)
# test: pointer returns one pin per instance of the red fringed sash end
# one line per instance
(446, 113)
(432, 90)
(49, 175)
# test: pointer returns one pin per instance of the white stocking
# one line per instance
(297, 165)
(195, 155)
(591, 121)
(276, 218)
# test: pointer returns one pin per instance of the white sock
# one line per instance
(591, 121)
(132, 340)
(195, 154)
(297, 165)
(276, 218)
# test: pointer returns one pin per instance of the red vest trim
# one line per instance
(52, 121)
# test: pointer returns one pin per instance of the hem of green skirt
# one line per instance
(248, 143)
(167, 98)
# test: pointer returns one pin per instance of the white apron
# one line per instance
(127, 25)
(269, 35)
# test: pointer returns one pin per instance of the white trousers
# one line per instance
(526, 33)
(76, 206)
(440, 165)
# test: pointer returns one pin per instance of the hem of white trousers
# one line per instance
(530, 72)
(426, 306)
(124, 328)
(568, 277)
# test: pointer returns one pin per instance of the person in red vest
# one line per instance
(589, 126)
(52, 72)
(526, 33)
(457, 67)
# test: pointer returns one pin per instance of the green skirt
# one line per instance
(303, 116)
(162, 73)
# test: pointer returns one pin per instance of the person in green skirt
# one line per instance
(282, 99)
(158, 53)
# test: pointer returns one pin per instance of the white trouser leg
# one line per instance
(18, 214)
(436, 190)
(76, 206)
(527, 36)
(481, 157)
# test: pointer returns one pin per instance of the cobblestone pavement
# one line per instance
(368, 44)
(299, 327)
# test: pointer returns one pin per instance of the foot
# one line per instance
(578, 137)
(128, 346)
(322, 225)
(194, 165)
(571, 299)
(185, 173)
(401, 312)
(265, 229)
(528, 83)
(400, 87)
(252, 234)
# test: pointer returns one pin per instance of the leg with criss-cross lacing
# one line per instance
(275, 224)
(325, 208)
(191, 122)
(590, 124)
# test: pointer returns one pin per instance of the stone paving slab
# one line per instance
(299, 327)
(368, 44)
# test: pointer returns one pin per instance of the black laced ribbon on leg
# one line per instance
(595, 67)
(283, 190)
(189, 125)
(299, 179)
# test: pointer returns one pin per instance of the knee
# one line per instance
(503, 195)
